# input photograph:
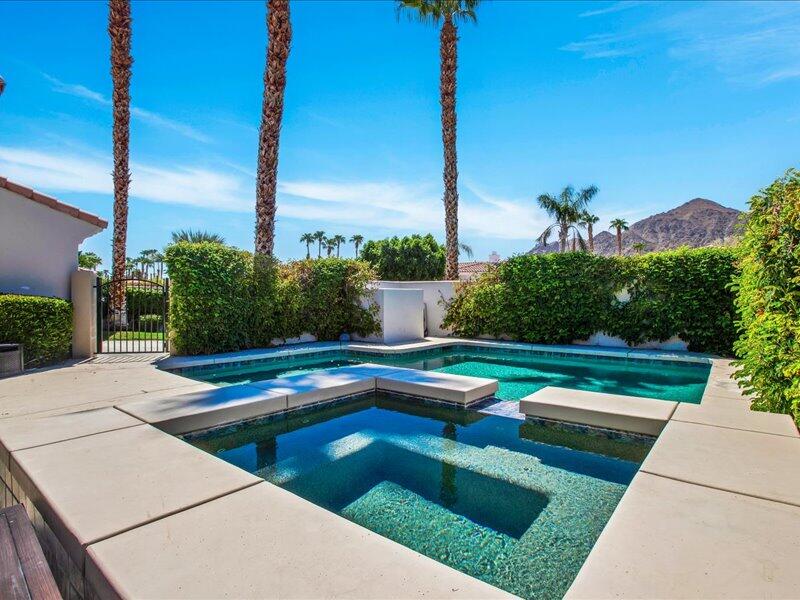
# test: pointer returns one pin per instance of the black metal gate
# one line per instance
(132, 315)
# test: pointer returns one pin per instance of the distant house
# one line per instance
(467, 271)
(39, 239)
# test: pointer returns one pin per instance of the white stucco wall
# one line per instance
(400, 314)
(38, 246)
(434, 294)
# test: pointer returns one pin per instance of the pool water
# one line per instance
(518, 374)
(514, 503)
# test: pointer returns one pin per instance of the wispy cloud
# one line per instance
(190, 185)
(614, 7)
(81, 91)
(750, 43)
(395, 206)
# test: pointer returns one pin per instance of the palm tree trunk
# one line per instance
(619, 241)
(280, 36)
(591, 237)
(308, 250)
(448, 39)
(119, 30)
(563, 233)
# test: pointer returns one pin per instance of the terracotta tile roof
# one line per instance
(51, 202)
(473, 267)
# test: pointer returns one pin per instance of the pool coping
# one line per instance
(723, 408)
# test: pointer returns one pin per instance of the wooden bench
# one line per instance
(24, 573)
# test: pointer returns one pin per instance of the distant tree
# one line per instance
(567, 210)
(411, 258)
(196, 237)
(448, 13)
(147, 259)
(320, 237)
(466, 249)
(338, 240)
(357, 240)
(620, 225)
(589, 220)
(89, 260)
(2, 85)
(308, 239)
(639, 247)
(330, 245)
(279, 38)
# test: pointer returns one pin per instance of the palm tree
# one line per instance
(119, 30)
(279, 30)
(320, 237)
(588, 220)
(357, 240)
(466, 249)
(89, 260)
(2, 85)
(330, 245)
(639, 247)
(307, 239)
(448, 13)
(196, 236)
(567, 210)
(620, 225)
(338, 240)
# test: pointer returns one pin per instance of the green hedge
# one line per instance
(559, 298)
(410, 258)
(224, 299)
(43, 325)
(768, 299)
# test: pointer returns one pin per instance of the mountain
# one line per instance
(696, 223)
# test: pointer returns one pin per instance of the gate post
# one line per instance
(84, 303)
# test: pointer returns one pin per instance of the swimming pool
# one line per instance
(519, 373)
(514, 503)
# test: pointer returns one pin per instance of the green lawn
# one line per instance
(122, 336)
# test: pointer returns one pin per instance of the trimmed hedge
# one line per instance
(43, 325)
(768, 299)
(224, 299)
(411, 258)
(559, 298)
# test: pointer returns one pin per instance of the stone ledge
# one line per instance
(20, 433)
(609, 411)
(734, 416)
(742, 462)
(201, 410)
(264, 542)
(97, 486)
(457, 389)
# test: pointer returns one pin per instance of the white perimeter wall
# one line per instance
(434, 295)
(38, 247)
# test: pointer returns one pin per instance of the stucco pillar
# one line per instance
(84, 313)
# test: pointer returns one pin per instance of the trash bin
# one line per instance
(10, 359)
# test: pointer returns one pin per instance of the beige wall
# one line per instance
(38, 246)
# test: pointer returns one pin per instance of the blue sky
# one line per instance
(654, 102)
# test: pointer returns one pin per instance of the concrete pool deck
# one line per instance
(713, 512)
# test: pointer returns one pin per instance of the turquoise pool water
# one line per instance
(516, 504)
(518, 374)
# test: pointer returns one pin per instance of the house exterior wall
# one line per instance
(38, 247)
(435, 294)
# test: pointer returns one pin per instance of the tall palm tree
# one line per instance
(466, 249)
(307, 239)
(567, 210)
(448, 13)
(320, 237)
(196, 236)
(589, 220)
(338, 240)
(620, 225)
(119, 30)
(357, 240)
(279, 30)
(330, 245)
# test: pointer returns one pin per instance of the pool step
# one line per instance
(609, 411)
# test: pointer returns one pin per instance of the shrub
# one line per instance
(43, 325)
(209, 309)
(679, 292)
(559, 298)
(768, 299)
(410, 258)
(224, 299)
(150, 322)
